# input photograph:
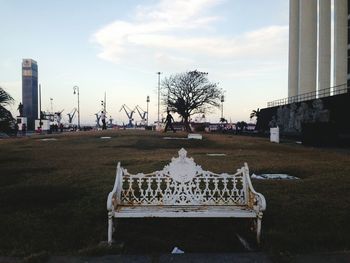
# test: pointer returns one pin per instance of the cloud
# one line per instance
(170, 28)
(266, 41)
(119, 37)
(177, 13)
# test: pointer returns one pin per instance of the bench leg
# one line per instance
(110, 227)
(258, 228)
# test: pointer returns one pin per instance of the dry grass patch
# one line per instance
(53, 193)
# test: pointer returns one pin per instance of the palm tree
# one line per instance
(7, 122)
(255, 113)
(5, 98)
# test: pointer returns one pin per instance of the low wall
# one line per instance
(316, 118)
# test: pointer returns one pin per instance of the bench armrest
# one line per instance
(255, 200)
(109, 201)
(114, 196)
(260, 202)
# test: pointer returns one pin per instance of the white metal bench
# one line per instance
(183, 189)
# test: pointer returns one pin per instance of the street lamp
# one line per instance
(147, 109)
(222, 106)
(51, 99)
(76, 91)
(158, 93)
(103, 104)
(40, 123)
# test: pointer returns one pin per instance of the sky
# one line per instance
(117, 47)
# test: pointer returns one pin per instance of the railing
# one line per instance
(336, 90)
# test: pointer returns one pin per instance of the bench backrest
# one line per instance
(182, 182)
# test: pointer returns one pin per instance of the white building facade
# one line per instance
(310, 52)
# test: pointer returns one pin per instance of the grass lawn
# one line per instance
(53, 194)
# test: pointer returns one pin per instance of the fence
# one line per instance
(332, 91)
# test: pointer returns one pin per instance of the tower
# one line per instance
(30, 91)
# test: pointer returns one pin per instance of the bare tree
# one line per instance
(190, 93)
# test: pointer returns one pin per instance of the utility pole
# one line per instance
(147, 100)
(158, 94)
(104, 106)
(76, 91)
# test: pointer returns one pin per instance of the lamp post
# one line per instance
(40, 124)
(51, 99)
(147, 100)
(222, 106)
(76, 91)
(103, 104)
(158, 93)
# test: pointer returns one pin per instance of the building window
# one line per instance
(27, 72)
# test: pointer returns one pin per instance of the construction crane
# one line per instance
(142, 115)
(71, 115)
(98, 117)
(58, 116)
(129, 113)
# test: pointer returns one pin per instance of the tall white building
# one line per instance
(310, 53)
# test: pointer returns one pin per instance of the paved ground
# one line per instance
(337, 257)
(253, 257)
(184, 258)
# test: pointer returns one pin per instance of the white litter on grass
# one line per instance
(274, 177)
(176, 250)
(190, 136)
(105, 138)
(48, 139)
(216, 154)
(174, 138)
(195, 136)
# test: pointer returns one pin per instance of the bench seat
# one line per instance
(184, 211)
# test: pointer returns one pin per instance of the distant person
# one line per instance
(103, 119)
(169, 122)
